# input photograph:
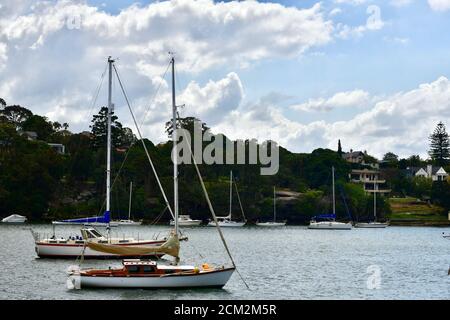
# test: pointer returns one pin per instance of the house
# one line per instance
(353, 156)
(30, 135)
(370, 178)
(359, 157)
(58, 147)
(430, 172)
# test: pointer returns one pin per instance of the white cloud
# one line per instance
(400, 3)
(374, 22)
(56, 50)
(400, 123)
(3, 55)
(355, 98)
(352, 2)
(335, 12)
(439, 5)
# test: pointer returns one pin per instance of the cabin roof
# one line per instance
(138, 262)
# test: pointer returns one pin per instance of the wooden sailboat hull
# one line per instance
(203, 279)
(330, 225)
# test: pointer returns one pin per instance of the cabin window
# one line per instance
(96, 234)
(148, 268)
(133, 269)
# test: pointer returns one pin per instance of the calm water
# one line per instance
(284, 263)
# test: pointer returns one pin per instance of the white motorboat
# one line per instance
(73, 246)
(328, 221)
(446, 236)
(149, 274)
(14, 218)
(126, 222)
(273, 223)
(372, 224)
(185, 220)
(227, 221)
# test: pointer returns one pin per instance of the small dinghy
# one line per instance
(14, 218)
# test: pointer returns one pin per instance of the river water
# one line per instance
(277, 263)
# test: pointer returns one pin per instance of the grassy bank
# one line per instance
(414, 212)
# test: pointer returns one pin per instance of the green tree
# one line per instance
(16, 114)
(120, 136)
(40, 125)
(339, 148)
(439, 145)
(186, 123)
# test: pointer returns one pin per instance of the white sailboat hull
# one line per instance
(370, 225)
(14, 218)
(330, 225)
(127, 223)
(270, 224)
(203, 279)
(93, 224)
(72, 251)
(227, 224)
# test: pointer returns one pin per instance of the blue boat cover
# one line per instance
(324, 217)
(100, 219)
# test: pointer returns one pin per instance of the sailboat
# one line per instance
(273, 223)
(375, 223)
(128, 222)
(70, 247)
(328, 221)
(227, 221)
(138, 273)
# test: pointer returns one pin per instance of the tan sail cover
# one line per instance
(170, 247)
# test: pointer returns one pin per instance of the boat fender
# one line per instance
(196, 270)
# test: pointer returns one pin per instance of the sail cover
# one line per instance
(325, 217)
(170, 247)
(100, 219)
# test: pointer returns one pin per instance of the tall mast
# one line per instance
(274, 206)
(129, 204)
(375, 187)
(175, 151)
(231, 192)
(108, 152)
(334, 198)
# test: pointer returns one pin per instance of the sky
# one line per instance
(374, 74)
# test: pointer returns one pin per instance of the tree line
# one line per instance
(38, 182)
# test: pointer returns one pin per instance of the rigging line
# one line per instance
(94, 101)
(211, 209)
(128, 151)
(152, 100)
(143, 142)
(239, 199)
(118, 174)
